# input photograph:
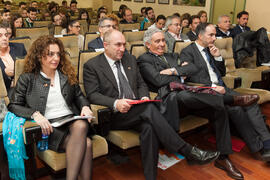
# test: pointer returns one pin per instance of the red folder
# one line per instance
(141, 101)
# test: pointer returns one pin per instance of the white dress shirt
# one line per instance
(56, 105)
(212, 74)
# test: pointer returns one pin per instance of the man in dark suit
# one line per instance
(159, 69)
(223, 28)
(205, 65)
(172, 32)
(127, 17)
(242, 19)
(104, 25)
(194, 22)
(113, 79)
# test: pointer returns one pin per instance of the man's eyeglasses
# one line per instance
(109, 26)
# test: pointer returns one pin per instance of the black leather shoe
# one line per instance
(197, 156)
(265, 155)
(229, 168)
(245, 100)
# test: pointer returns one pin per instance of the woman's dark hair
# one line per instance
(82, 11)
(13, 19)
(39, 49)
(71, 23)
(161, 16)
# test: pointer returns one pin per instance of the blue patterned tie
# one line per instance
(220, 81)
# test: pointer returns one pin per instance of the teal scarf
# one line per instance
(14, 145)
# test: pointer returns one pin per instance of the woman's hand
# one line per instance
(44, 123)
(87, 112)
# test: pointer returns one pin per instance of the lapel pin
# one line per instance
(45, 85)
(129, 68)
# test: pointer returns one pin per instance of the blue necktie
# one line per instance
(220, 81)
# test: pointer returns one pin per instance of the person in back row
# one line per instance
(194, 22)
(242, 19)
(104, 25)
(127, 17)
(223, 28)
(150, 17)
(31, 17)
(113, 79)
(160, 22)
(172, 32)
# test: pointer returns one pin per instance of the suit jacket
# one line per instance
(151, 65)
(100, 83)
(191, 36)
(95, 44)
(17, 51)
(197, 70)
(31, 93)
(222, 34)
(170, 40)
(123, 21)
(237, 30)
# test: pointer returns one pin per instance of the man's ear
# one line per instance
(148, 45)
(105, 44)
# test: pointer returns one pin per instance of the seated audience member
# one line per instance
(150, 17)
(115, 20)
(108, 83)
(7, 5)
(120, 11)
(184, 22)
(100, 15)
(83, 14)
(194, 22)
(16, 22)
(143, 12)
(224, 26)
(160, 22)
(22, 5)
(34, 4)
(203, 16)
(172, 32)
(74, 28)
(9, 52)
(206, 66)
(177, 14)
(31, 17)
(127, 17)
(104, 25)
(56, 21)
(65, 4)
(23, 13)
(242, 19)
(47, 73)
(73, 7)
(159, 69)
(53, 7)
(103, 8)
(5, 15)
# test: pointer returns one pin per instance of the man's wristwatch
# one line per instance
(172, 70)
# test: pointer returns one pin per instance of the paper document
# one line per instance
(166, 159)
(64, 121)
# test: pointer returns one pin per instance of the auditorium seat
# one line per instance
(88, 37)
(42, 23)
(33, 33)
(133, 38)
(84, 26)
(134, 26)
(56, 161)
(25, 40)
(93, 28)
(58, 30)
(71, 47)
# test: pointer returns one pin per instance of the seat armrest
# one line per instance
(232, 81)
(103, 118)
